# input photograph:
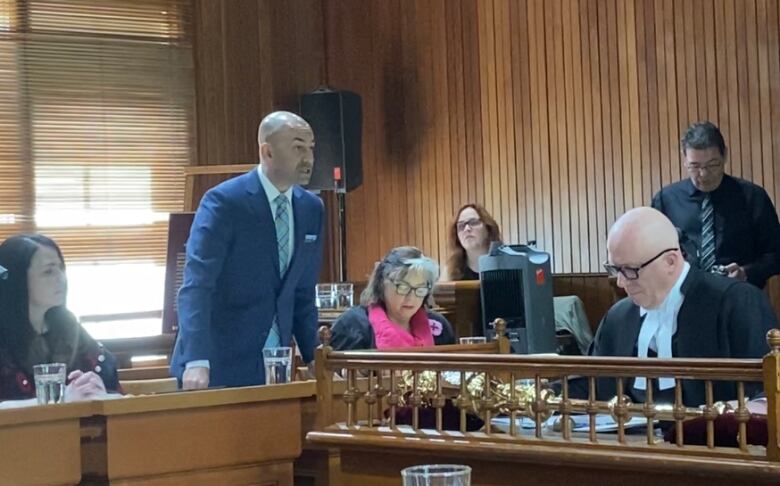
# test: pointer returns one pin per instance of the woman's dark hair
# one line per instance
(16, 331)
(394, 266)
(457, 261)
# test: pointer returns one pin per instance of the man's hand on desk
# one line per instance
(307, 373)
(195, 378)
(735, 271)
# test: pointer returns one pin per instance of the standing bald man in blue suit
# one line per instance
(253, 259)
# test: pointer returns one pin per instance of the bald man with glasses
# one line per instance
(674, 310)
(727, 224)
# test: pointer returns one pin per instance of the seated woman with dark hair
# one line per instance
(36, 328)
(393, 310)
(469, 237)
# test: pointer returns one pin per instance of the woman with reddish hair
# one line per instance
(470, 235)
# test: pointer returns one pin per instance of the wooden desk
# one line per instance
(41, 445)
(227, 437)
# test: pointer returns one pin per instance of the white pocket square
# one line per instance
(310, 238)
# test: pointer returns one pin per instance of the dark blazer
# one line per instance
(719, 318)
(232, 288)
(353, 331)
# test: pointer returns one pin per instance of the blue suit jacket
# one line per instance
(232, 288)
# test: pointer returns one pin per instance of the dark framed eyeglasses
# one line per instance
(631, 273)
(403, 288)
(706, 166)
(471, 223)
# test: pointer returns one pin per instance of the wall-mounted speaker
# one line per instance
(336, 117)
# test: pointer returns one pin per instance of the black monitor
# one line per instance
(516, 285)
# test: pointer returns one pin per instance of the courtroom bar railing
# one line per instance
(485, 383)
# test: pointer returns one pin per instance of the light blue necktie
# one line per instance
(282, 223)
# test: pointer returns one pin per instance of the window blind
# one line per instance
(96, 125)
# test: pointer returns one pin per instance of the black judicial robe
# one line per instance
(719, 318)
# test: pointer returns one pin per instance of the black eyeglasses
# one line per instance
(471, 223)
(631, 273)
(403, 288)
(706, 166)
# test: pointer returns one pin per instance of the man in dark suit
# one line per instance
(253, 259)
(674, 310)
(725, 221)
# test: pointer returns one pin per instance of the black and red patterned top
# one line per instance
(17, 384)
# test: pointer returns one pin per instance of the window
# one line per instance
(96, 125)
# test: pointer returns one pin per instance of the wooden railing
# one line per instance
(417, 379)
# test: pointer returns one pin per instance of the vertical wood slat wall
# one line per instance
(557, 115)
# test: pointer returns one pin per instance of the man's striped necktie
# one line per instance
(707, 247)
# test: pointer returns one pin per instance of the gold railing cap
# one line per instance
(773, 339)
(325, 335)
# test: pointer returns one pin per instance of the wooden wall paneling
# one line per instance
(773, 48)
(765, 115)
(557, 116)
(652, 99)
(484, 22)
(442, 198)
(624, 87)
(589, 209)
(456, 96)
(574, 122)
(710, 65)
(552, 38)
(672, 133)
(660, 26)
(429, 116)
(606, 108)
(633, 111)
(751, 46)
(614, 90)
(507, 118)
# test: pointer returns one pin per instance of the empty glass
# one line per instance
(437, 475)
(50, 383)
(473, 340)
(278, 365)
(326, 296)
(344, 293)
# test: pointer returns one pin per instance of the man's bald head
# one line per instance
(644, 236)
(646, 230)
(286, 149)
(275, 122)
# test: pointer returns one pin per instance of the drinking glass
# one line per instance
(473, 340)
(278, 365)
(344, 293)
(437, 475)
(326, 296)
(50, 383)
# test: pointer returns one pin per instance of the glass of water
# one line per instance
(278, 365)
(473, 340)
(326, 296)
(50, 382)
(437, 475)
(344, 293)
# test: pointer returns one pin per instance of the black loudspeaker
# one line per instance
(337, 120)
